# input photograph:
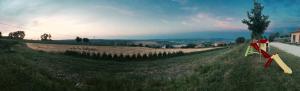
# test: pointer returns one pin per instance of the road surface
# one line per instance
(292, 49)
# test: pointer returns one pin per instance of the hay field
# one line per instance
(59, 48)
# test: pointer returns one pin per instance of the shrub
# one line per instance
(191, 46)
(138, 56)
(69, 52)
(110, 56)
(145, 55)
(134, 56)
(83, 53)
(160, 54)
(104, 55)
(180, 53)
(240, 40)
(164, 54)
(127, 57)
(94, 55)
(151, 55)
(115, 56)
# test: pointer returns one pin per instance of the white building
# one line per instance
(179, 46)
(295, 36)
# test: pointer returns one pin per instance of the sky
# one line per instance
(140, 19)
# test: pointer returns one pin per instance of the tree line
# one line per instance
(79, 40)
(111, 56)
(14, 35)
(44, 37)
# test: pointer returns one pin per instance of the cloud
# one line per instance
(106, 18)
(206, 21)
(65, 19)
(122, 11)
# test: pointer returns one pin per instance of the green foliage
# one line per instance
(45, 37)
(272, 36)
(139, 56)
(191, 46)
(240, 40)
(169, 46)
(16, 35)
(86, 40)
(160, 54)
(78, 39)
(110, 56)
(257, 22)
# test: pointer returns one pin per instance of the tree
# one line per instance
(86, 40)
(169, 46)
(10, 35)
(78, 39)
(0, 34)
(191, 45)
(257, 22)
(46, 37)
(272, 36)
(17, 35)
(240, 40)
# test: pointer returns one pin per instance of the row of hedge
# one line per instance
(104, 55)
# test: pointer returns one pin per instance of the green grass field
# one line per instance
(22, 69)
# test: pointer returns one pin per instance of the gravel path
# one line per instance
(292, 49)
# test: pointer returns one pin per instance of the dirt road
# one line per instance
(292, 49)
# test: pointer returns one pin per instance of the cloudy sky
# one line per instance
(110, 19)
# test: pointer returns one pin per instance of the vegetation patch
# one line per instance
(122, 57)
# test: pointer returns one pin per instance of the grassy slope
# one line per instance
(226, 69)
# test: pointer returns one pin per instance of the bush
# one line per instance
(139, 56)
(160, 54)
(240, 40)
(115, 56)
(105, 55)
(180, 53)
(145, 56)
(272, 36)
(191, 46)
(164, 54)
(127, 57)
(95, 55)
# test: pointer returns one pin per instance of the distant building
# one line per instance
(295, 36)
(179, 46)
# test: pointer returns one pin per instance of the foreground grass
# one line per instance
(221, 70)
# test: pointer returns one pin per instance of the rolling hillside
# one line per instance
(22, 69)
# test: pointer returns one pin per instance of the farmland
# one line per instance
(59, 48)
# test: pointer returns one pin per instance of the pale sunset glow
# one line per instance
(66, 19)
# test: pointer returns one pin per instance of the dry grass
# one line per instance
(59, 48)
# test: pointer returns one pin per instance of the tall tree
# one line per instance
(17, 35)
(272, 36)
(240, 40)
(46, 37)
(86, 40)
(78, 39)
(257, 22)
